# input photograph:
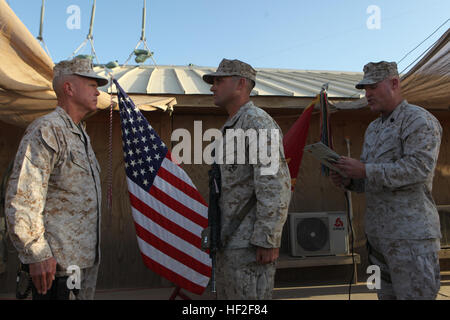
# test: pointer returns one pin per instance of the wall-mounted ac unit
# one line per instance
(318, 233)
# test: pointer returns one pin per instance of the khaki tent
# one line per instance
(26, 73)
(428, 82)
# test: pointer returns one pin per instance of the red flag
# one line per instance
(168, 211)
(295, 139)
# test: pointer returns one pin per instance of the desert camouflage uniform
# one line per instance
(412, 265)
(400, 155)
(53, 198)
(238, 275)
(241, 277)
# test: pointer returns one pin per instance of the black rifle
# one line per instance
(214, 219)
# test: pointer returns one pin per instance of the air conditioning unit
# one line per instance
(318, 233)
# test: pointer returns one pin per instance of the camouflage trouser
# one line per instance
(88, 284)
(238, 277)
(410, 268)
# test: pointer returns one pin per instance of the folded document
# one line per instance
(325, 155)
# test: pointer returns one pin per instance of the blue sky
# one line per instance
(289, 34)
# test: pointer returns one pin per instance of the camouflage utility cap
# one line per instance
(375, 72)
(231, 68)
(80, 67)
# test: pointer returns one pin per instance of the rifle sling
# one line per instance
(237, 219)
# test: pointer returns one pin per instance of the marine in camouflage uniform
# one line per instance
(239, 273)
(399, 154)
(53, 199)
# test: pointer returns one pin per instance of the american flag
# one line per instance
(168, 211)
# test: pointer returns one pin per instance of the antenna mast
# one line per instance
(89, 37)
(144, 14)
(41, 28)
(142, 54)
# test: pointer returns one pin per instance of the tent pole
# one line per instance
(90, 36)
(41, 29)
(142, 39)
(91, 26)
(144, 14)
(39, 37)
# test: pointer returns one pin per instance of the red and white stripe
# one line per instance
(169, 220)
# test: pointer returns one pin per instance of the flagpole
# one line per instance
(177, 292)
(162, 198)
(294, 140)
(110, 147)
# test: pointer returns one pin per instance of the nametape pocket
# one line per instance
(78, 160)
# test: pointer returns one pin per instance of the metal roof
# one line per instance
(187, 80)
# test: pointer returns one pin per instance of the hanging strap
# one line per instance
(237, 220)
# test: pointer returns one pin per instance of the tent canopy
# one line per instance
(428, 82)
(26, 73)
